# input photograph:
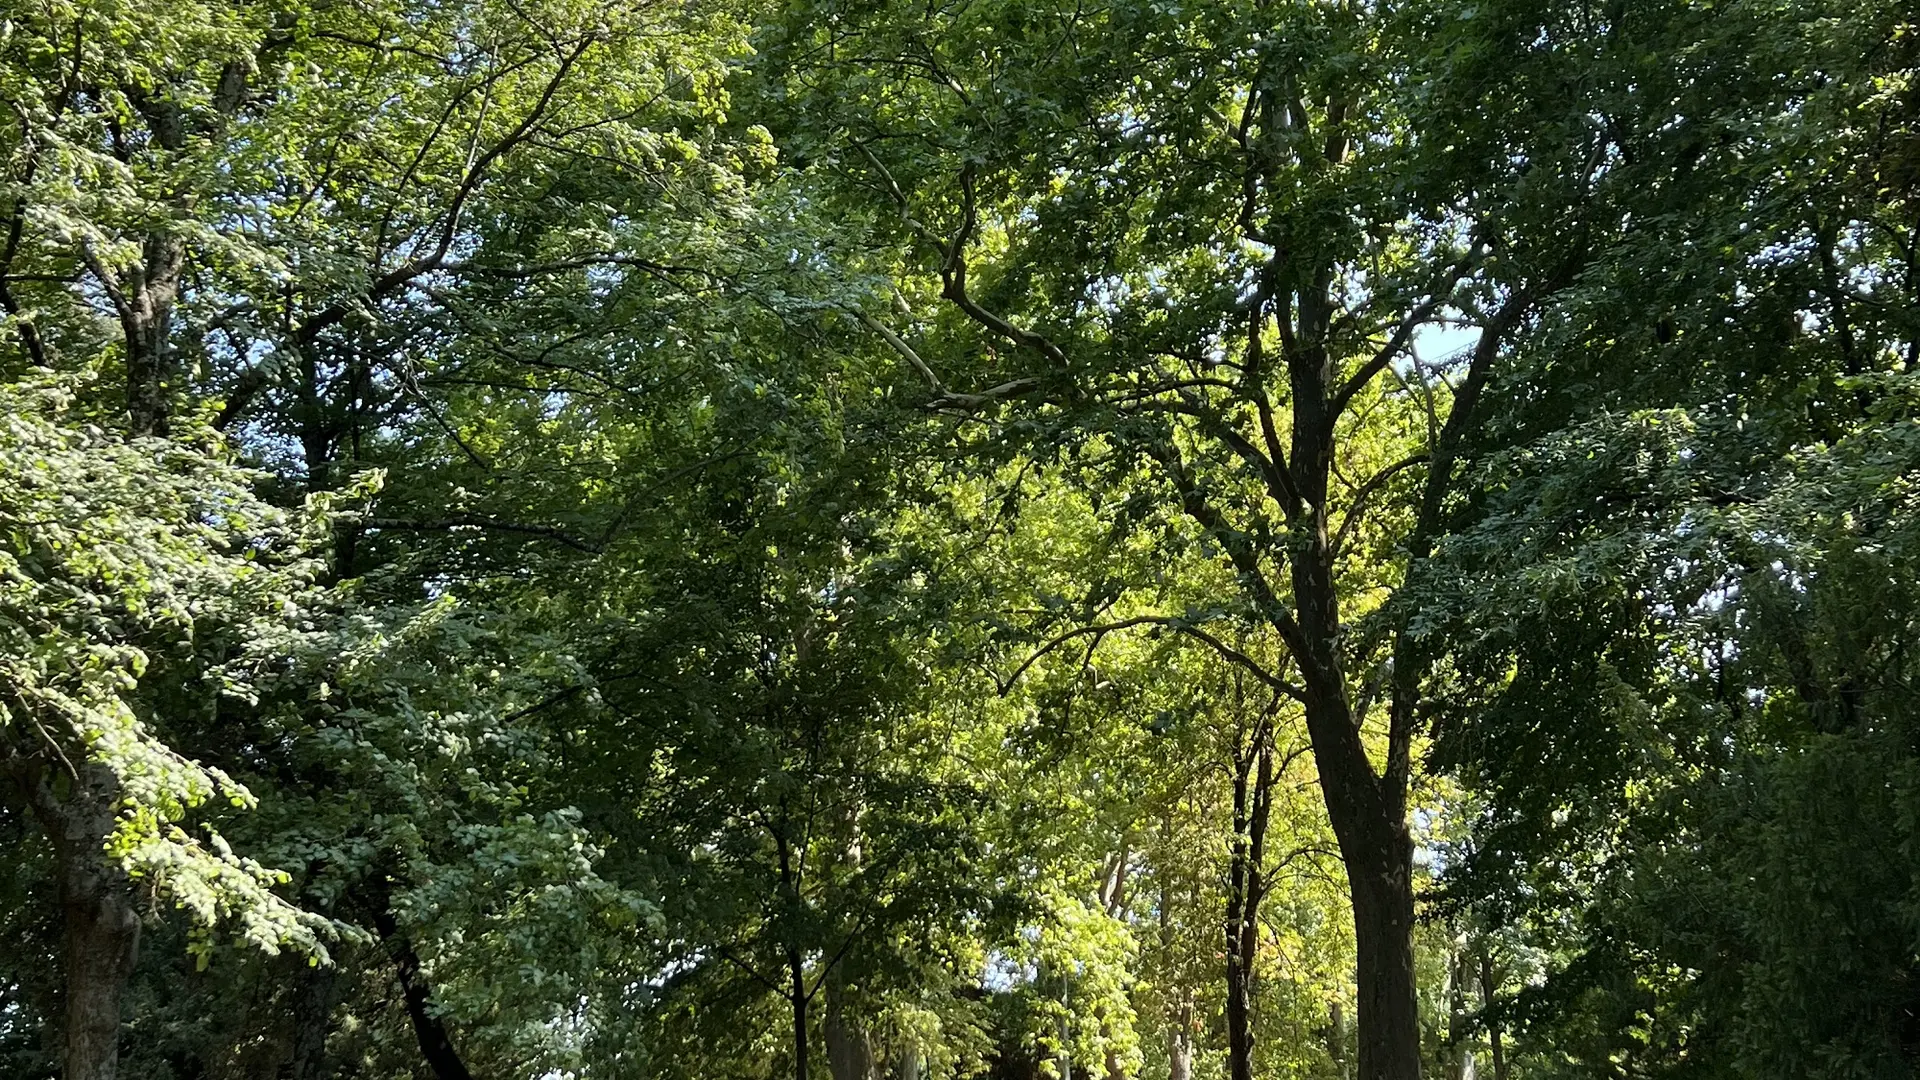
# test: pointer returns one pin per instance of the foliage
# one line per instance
(543, 538)
(136, 572)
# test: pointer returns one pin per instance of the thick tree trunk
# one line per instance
(849, 1050)
(103, 936)
(1389, 1023)
(312, 1014)
(101, 926)
(1367, 809)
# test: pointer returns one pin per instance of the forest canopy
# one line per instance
(991, 540)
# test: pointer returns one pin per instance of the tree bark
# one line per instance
(1367, 809)
(1252, 795)
(147, 323)
(1389, 1029)
(101, 926)
(1179, 1009)
(797, 998)
(849, 1050)
(1337, 1038)
(1180, 1047)
(436, 1042)
(1460, 1051)
(1495, 1046)
(312, 1010)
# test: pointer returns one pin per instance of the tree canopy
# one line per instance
(1156, 540)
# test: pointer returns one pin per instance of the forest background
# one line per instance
(1127, 538)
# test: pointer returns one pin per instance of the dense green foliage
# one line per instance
(1225, 538)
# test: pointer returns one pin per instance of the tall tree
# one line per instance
(1686, 545)
(1203, 242)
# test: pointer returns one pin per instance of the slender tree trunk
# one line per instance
(1337, 1038)
(797, 997)
(1460, 1050)
(436, 1042)
(1495, 1047)
(1180, 1007)
(1239, 1031)
(1252, 795)
(1066, 1048)
(100, 925)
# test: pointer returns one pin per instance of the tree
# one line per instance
(142, 578)
(219, 215)
(1668, 550)
(1203, 243)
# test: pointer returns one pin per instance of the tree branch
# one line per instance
(953, 277)
(456, 208)
(1173, 622)
(471, 522)
(1239, 552)
(1438, 294)
(1360, 497)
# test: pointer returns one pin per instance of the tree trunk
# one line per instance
(436, 1043)
(1066, 1047)
(1337, 1038)
(1460, 1051)
(1389, 1028)
(1252, 797)
(144, 298)
(312, 1009)
(1367, 809)
(101, 926)
(797, 997)
(1495, 1048)
(1180, 1047)
(849, 1050)
(1179, 1012)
